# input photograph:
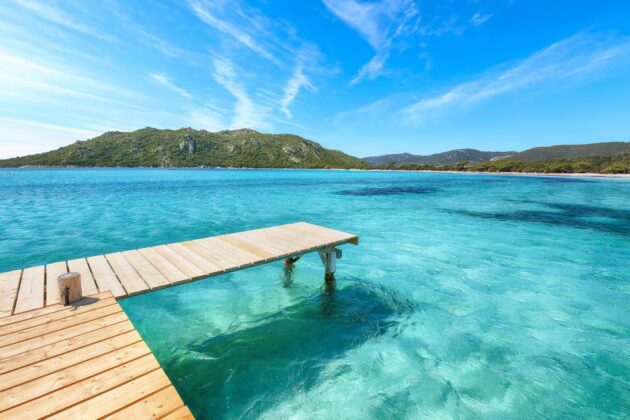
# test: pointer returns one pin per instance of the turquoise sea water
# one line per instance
(469, 296)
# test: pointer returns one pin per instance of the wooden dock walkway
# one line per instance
(138, 271)
(87, 360)
(84, 361)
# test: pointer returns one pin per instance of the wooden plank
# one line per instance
(108, 402)
(182, 413)
(88, 285)
(9, 284)
(31, 293)
(47, 339)
(230, 249)
(51, 376)
(288, 241)
(57, 401)
(208, 267)
(187, 267)
(104, 277)
(56, 325)
(261, 242)
(232, 260)
(172, 273)
(283, 244)
(146, 270)
(221, 263)
(54, 316)
(55, 349)
(128, 277)
(52, 309)
(153, 406)
(53, 271)
(247, 246)
(327, 234)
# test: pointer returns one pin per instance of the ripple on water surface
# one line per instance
(469, 296)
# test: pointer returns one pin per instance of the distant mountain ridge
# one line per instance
(186, 147)
(570, 151)
(573, 151)
(444, 158)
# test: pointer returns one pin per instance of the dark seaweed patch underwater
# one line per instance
(389, 191)
(284, 352)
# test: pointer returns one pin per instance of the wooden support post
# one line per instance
(329, 259)
(69, 285)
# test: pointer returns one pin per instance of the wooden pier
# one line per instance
(86, 360)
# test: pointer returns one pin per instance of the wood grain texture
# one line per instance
(86, 361)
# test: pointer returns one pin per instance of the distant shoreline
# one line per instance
(587, 174)
(540, 174)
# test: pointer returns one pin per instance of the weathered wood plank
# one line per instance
(33, 381)
(54, 401)
(182, 413)
(180, 262)
(60, 335)
(80, 266)
(199, 249)
(229, 249)
(96, 365)
(208, 266)
(151, 275)
(54, 316)
(110, 401)
(152, 407)
(9, 284)
(128, 277)
(31, 293)
(53, 271)
(247, 246)
(55, 349)
(52, 309)
(56, 325)
(172, 273)
(325, 233)
(104, 277)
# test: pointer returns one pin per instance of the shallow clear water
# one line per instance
(469, 295)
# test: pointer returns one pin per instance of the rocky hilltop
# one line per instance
(151, 147)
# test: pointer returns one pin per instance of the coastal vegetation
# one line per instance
(151, 147)
(617, 164)
(245, 148)
(445, 158)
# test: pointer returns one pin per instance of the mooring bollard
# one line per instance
(69, 288)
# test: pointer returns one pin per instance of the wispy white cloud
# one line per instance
(379, 23)
(59, 17)
(247, 114)
(570, 60)
(479, 19)
(205, 11)
(165, 81)
(292, 88)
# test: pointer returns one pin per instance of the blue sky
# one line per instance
(366, 77)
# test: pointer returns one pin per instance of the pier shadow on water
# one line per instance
(247, 371)
(568, 215)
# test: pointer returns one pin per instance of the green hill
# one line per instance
(444, 158)
(186, 147)
(573, 151)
